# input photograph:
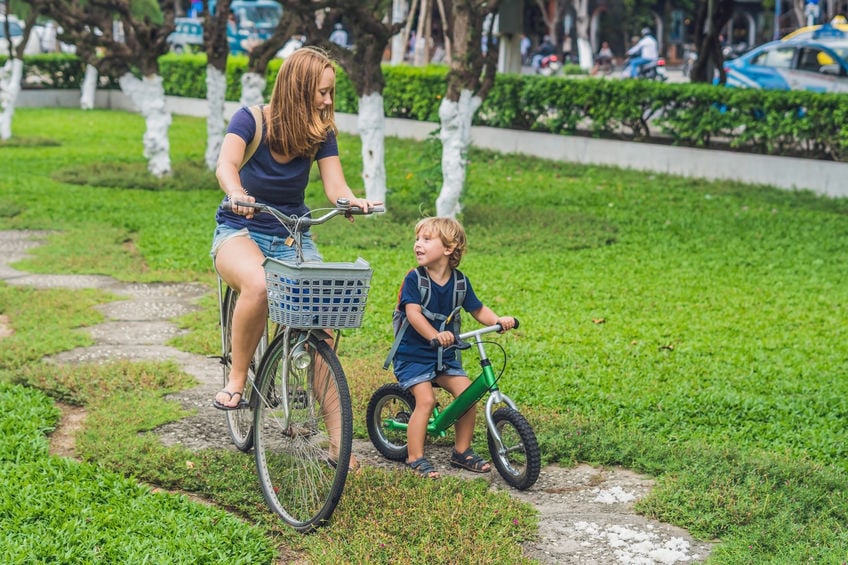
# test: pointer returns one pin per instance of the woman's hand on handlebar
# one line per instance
(365, 205)
(243, 197)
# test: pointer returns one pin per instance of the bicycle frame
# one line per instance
(486, 382)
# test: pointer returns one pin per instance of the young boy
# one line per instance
(439, 247)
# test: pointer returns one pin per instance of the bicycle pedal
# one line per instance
(299, 400)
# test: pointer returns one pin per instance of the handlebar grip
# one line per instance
(515, 327)
(228, 204)
(372, 210)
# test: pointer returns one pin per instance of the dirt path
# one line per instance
(586, 513)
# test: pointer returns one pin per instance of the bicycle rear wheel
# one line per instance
(390, 404)
(239, 422)
(303, 430)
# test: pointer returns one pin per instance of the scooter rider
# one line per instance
(645, 51)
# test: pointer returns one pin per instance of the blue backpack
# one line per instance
(400, 323)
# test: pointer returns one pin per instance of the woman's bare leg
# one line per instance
(239, 262)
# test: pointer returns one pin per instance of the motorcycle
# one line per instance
(654, 70)
(549, 65)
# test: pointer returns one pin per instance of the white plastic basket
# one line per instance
(317, 294)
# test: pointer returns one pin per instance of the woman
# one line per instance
(298, 128)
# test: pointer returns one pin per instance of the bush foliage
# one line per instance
(796, 123)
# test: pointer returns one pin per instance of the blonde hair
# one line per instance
(296, 126)
(450, 232)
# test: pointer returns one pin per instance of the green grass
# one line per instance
(688, 329)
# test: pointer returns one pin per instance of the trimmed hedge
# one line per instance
(796, 123)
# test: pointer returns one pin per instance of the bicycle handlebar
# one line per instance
(303, 223)
(460, 339)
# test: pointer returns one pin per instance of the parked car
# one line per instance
(187, 35)
(798, 64)
(838, 27)
(253, 21)
(16, 32)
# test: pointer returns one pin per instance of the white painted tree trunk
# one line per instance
(584, 49)
(252, 88)
(399, 11)
(371, 123)
(216, 87)
(455, 119)
(10, 86)
(89, 87)
(148, 95)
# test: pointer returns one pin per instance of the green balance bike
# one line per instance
(512, 442)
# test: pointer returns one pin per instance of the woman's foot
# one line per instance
(470, 461)
(424, 468)
(226, 400)
(353, 466)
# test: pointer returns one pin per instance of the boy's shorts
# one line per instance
(270, 245)
(411, 373)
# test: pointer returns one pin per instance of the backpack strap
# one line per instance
(424, 290)
(251, 148)
(399, 320)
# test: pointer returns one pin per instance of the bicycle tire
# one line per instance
(300, 480)
(239, 422)
(389, 402)
(520, 461)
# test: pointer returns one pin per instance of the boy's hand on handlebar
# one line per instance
(443, 339)
(506, 323)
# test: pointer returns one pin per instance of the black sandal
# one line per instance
(241, 403)
(470, 461)
(424, 468)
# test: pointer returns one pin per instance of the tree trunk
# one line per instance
(10, 86)
(371, 123)
(252, 89)
(149, 97)
(455, 118)
(584, 49)
(711, 18)
(400, 9)
(216, 87)
(422, 36)
(89, 87)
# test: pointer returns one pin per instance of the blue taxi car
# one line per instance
(819, 65)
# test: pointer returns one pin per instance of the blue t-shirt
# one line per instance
(412, 346)
(270, 182)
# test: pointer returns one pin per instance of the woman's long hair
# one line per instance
(297, 126)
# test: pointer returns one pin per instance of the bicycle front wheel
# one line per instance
(517, 457)
(303, 430)
(239, 422)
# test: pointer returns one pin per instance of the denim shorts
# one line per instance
(270, 245)
(411, 373)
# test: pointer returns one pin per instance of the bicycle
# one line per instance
(511, 440)
(296, 411)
